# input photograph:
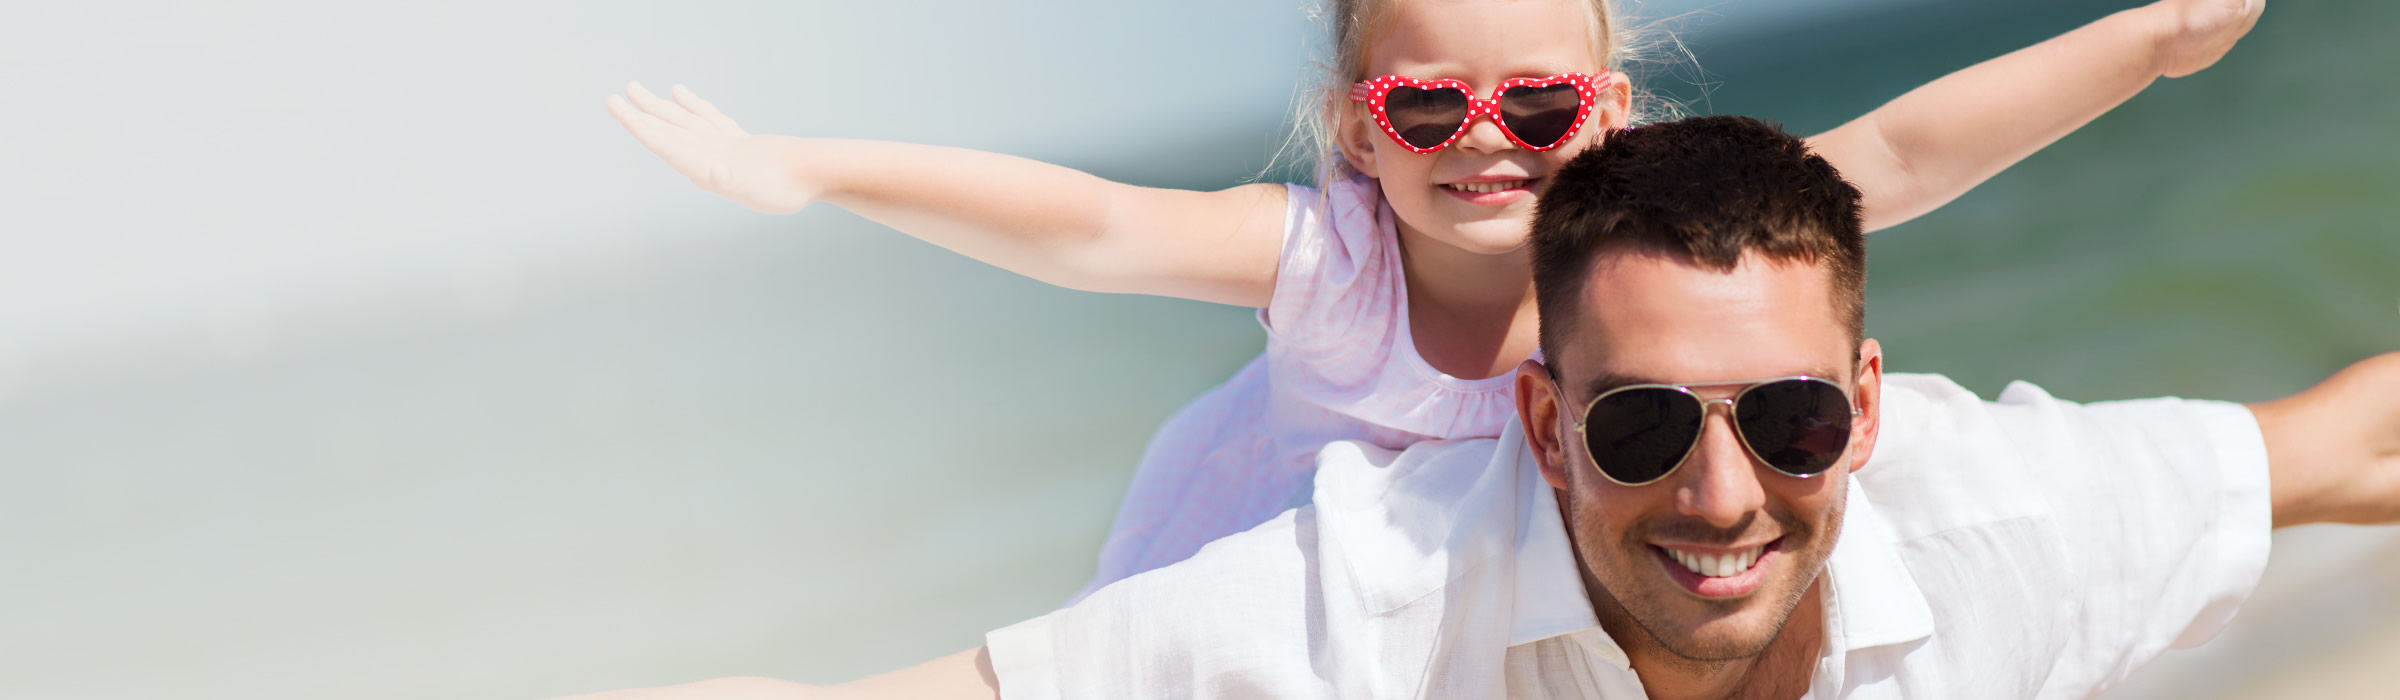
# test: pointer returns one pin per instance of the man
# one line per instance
(1630, 539)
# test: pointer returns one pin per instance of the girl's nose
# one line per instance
(1484, 135)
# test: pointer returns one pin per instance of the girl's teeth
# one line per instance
(1486, 187)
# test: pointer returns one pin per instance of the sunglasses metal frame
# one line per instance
(1705, 405)
(1587, 91)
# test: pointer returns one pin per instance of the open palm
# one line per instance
(705, 145)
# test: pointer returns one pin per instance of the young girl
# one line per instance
(1398, 297)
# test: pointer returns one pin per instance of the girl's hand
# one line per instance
(2195, 33)
(756, 171)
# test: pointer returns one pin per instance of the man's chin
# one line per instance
(1718, 628)
(1739, 634)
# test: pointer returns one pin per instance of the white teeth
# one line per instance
(1486, 187)
(1718, 565)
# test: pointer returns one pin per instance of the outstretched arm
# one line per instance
(962, 676)
(1043, 221)
(2333, 451)
(1931, 145)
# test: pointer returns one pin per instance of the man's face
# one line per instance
(1647, 318)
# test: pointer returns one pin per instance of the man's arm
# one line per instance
(2333, 451)
(966, 675)
(1933, 144)
(1228, 622)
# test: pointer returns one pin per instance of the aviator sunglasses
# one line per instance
(1537, 114)
(1638, 434)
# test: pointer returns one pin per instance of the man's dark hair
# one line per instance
(1704, 190)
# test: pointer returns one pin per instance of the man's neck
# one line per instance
(1781, 672)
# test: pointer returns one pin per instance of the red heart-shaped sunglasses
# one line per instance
(1427, 115)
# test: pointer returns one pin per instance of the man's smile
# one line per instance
(1718, 572)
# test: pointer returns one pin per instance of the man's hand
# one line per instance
(754, 170)
(2333, 452)
(719, 689)
(2193, 34)
(966, 675)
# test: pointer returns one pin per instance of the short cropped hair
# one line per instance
(1704, 190)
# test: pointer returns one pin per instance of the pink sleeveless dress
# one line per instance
(1339, 365)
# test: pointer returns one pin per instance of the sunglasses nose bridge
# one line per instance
(1483, 116)
(1722, 401)
(1723, 486)
(1701, 437)
(1709, 405)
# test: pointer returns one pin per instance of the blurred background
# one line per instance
(352, 351)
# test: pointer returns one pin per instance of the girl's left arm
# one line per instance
(1929, 146)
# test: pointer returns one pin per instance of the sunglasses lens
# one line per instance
(1638, 435)
(1540, 116)
(1798, 426)
(1425, 118)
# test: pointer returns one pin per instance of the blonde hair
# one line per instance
(1355, 24)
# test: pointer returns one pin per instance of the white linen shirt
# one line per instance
(2030, 547)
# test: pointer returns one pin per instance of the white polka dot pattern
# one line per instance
(1376, 91)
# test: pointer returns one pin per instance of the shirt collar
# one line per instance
(1550, 600)
(1874, 599)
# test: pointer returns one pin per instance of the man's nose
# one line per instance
(1720, 485)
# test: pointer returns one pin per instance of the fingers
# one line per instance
(668, 111)
(2203, 31)
(644, 126)
(691, 101)
(667, 140)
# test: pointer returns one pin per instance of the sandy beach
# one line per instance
(2323, 623)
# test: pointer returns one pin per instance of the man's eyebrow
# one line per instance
(1610, 380)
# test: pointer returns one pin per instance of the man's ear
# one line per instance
(1868, 399)
(1538, 408)
(1354, 134)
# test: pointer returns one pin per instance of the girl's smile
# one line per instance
(1491, 190)
(1476, 194)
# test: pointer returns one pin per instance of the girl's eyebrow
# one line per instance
(1452, 70)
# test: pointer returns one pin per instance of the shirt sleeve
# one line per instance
(1235, 620)
(1336, 279)
(2164, 507)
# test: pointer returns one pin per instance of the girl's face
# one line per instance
(1482, 43)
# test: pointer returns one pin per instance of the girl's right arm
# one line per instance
(1043, 221)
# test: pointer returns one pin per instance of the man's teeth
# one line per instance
(1487, 187)
(1714, 565)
